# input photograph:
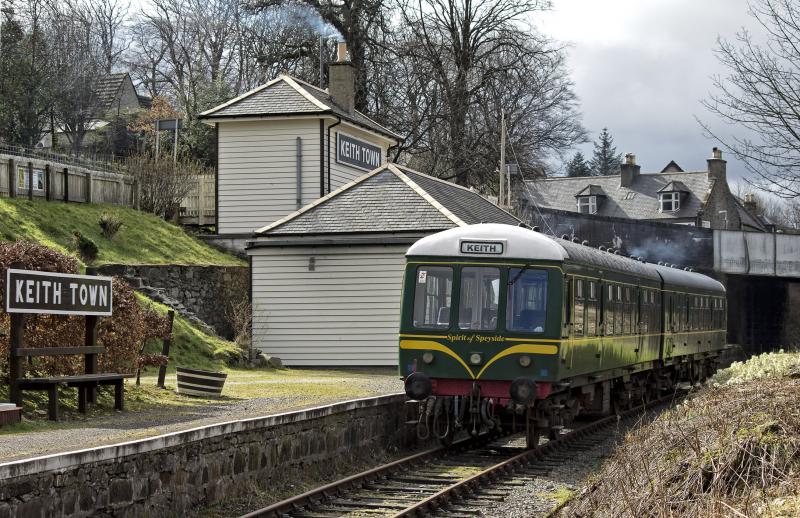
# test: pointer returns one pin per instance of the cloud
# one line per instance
(641, 69)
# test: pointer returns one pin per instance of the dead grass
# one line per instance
(731, 450)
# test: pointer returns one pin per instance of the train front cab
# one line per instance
(482, 323)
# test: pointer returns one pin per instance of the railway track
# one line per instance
(455, 482)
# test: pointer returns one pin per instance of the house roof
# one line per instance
(674, 186)
(672, 167)
(391, 199)
(286, 95)
(591, 190)
(107, 88)
(639, 201)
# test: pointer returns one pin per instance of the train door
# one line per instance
(640, 322)
(669, 324)
(566, 329)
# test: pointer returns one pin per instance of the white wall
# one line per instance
(345, 312)
(257, 171)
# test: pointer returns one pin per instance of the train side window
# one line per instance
(432, 297)
(526, 306)
(627, 322)
(580, 306)
(608, 310)
(619, 310)
(591, 309)
(480, 292)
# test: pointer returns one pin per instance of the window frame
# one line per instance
(499, 269)
(671, 197)
(451, 293)
(589, 202)
(507, 291)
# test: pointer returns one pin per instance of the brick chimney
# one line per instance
(628, 170)
(341, 80)
(716, 165)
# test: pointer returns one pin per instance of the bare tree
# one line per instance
(484, 62)
(760, 95)
(108, 19)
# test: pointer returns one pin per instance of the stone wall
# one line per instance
(206, 291)
(171, 474)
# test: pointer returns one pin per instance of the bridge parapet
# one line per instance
(756, 253)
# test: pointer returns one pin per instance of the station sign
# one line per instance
(357, 153)
(57, 293)
(482, 247)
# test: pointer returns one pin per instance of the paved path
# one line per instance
(129, 425)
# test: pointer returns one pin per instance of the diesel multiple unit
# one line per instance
(504, 326)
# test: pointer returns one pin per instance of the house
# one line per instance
(286, 143)
(114, 97)
(326, 280)
(701, 198)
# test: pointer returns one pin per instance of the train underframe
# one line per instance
(544, 409)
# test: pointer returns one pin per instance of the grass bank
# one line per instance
(732, 449)
(142, 239)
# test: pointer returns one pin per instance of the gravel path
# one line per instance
(129, 425)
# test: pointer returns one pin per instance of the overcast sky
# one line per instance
(641, 68)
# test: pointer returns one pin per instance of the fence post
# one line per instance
(30, 181)
(88, 186)
(162, 369)
(201, 201)
(66, 185)
(47, 181)
(90, 340)
(12, 178)
(15, 366)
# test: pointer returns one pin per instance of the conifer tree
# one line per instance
(605, 159)
(578, 166)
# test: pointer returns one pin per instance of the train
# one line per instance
(504, 327)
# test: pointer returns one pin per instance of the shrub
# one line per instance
(109, 224)
(85, 247)
(122, 334)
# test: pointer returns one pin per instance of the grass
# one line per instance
(190, 346)
(142, 239)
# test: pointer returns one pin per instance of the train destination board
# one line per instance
(482, 247)
(57, 293)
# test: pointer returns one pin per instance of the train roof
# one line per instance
(506, 241)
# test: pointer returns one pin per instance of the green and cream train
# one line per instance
(507, 327)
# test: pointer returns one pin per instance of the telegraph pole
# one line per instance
(502, 157)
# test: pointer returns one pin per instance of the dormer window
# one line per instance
(589, 198)
(669, 201)
(669, 196)
(587, 204)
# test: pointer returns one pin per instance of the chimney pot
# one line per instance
(716, 166)
(341, 52)
(630, 159)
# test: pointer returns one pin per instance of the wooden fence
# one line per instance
(198, 207)
(33, 178)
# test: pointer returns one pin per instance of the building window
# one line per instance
(587, 204)
(670, 201)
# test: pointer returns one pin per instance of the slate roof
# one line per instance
(391, 199)
(286, 95)
(639, 201)
(106, 89)
(591, 190)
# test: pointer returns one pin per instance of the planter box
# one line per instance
(194, 382)
(9, 413)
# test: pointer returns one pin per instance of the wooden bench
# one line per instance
(87, 382)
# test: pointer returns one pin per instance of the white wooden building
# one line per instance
(326, 280)
(286, 143)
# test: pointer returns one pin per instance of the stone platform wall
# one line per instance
(206, 291)
(171, 474)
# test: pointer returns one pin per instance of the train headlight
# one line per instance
(523, 390)
(427, 357)
(524, 360)
(475, 358)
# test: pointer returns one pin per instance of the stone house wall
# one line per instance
(172, 474)
(207, 291)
